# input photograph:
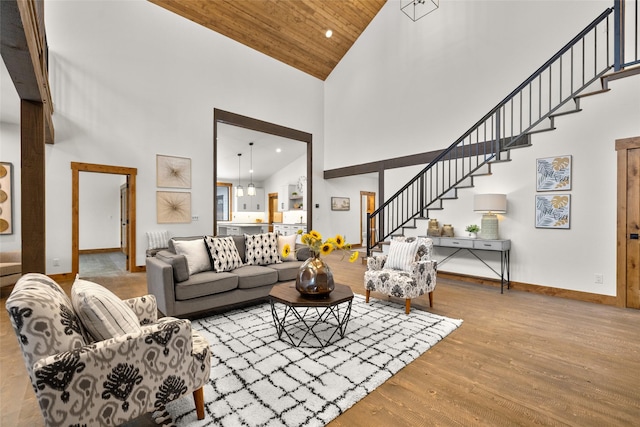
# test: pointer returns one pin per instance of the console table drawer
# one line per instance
(452, 242)
(492, 245)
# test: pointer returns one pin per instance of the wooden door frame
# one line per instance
(622, 145)
(130, 173)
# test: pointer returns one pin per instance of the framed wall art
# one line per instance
(553, 211)
(553, 173)
(173, 172)
(340, 204)
(173, 207)
(6, 198)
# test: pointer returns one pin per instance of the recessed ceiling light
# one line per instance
(329, 33)
(278, 150)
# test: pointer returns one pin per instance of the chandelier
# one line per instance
(251, 188)
(239, 189)
(416, 9)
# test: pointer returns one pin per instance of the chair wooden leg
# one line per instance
(198, 398)
(407, 306)
(431, 299)
(366, 297)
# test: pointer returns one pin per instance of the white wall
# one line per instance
(130, 80)
(408, 87)
(99, 210)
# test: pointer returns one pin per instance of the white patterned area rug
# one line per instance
(259, 380)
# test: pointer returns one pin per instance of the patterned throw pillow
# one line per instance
(101, 312)
(401, 255)
(224, 253)
(261, 249)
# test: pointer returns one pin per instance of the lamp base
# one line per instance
(489, 226)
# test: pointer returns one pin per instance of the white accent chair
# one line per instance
(417, 278)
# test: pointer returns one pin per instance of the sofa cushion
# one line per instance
(196, 253)
(8, 268)
(254, 276)
(205, 283)
(287, 270)
(239, 241)
(101, 312)
(224, 253)
(178, 262)
(401, 255)
(261, 249)
(284, 241)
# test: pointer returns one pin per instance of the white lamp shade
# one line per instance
(496, 203)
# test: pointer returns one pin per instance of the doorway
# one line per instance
(274, 214)
(367, 206)
(129, 225)
(628, 228)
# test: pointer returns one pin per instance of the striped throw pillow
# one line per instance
(401, 255)
(157, 239)
(101, 312)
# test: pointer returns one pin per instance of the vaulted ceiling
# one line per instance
(291, 31)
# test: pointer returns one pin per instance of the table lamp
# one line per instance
(490, 204)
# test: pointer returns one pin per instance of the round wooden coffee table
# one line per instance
(302, 320)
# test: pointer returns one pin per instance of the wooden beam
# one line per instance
(32, 187)
(24, 51)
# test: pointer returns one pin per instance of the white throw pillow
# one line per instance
(401, 255)
(224, 253)
(101, 312)
(291, 241)
(195, 251)
(261, 249)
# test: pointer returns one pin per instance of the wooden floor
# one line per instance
(518, 359)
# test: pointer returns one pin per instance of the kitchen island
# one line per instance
(239, 228)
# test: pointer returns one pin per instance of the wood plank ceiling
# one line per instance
(291, 31)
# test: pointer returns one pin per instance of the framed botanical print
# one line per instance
(553, 173)
(553, 211)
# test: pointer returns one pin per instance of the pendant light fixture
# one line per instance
(239, 189)
(251, 188)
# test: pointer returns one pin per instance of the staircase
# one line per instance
(577, 70)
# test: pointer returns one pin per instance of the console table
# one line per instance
(473, 245)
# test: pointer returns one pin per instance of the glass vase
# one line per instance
(314, 278)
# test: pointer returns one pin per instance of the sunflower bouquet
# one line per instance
(313, 241)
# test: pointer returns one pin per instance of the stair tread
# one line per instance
(564, 113)
(595, 92)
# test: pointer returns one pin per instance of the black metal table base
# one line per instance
(311, 325)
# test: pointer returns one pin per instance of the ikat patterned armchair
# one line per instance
(408, 271)
(83, 378)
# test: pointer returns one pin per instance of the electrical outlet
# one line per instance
(56, 262)
(194, 218)
(599, 278)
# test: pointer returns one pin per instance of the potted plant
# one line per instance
(473, 230)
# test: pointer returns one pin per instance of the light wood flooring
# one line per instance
(518, 359)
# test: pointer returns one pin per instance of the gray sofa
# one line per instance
(179, 294)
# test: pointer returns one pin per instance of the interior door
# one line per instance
(273, 209)
(124, 219)
(633, 228)
(367, 205)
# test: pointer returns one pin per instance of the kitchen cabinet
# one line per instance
(290, 199)
(248, 203)
(289, 229)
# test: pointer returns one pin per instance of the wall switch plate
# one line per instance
(599, 278)
(194, 218)
(56, 262)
